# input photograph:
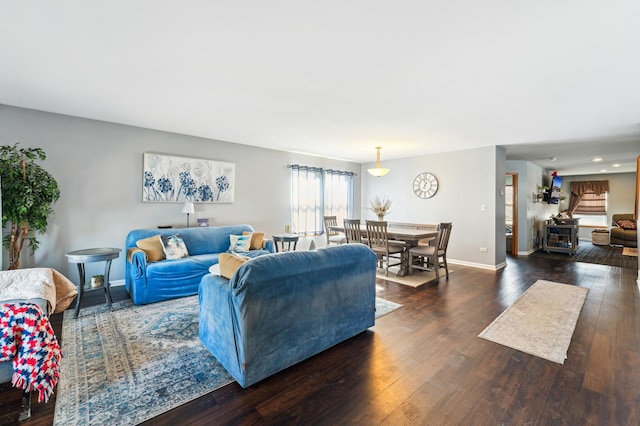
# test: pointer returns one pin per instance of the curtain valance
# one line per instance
(596, 186)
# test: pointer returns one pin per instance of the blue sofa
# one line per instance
(149, 282)
(280, 309)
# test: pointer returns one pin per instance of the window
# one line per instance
(592, 203)
(592, 209)
(316, 193)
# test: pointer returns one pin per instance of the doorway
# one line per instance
(511, 212)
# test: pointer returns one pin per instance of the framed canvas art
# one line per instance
(169, 178)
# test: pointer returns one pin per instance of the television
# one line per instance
(554, 190)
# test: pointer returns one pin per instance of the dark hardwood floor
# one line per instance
(424, 364)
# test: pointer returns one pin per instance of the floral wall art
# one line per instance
(169, 178)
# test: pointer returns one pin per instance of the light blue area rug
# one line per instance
(132, 364)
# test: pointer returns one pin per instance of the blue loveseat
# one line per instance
(149, 282)
(280, 309)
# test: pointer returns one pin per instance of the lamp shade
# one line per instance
(378, 171)
(188, 208)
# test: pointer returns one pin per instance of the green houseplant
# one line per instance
(28, 194)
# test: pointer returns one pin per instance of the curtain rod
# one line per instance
(320, 169)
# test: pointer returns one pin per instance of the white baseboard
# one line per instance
(477, 265)
(527, 253)
(115, 283)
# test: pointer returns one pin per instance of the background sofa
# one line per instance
(149, 282)
(623, 237)
(280, 309)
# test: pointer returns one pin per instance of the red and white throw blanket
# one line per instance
(28, 339)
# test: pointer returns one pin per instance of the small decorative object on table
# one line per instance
(97, 281)
(203, 222)
(380, 207)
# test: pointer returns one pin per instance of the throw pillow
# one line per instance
(174, 247)
(230, 263)
(627, 224)
(240, 243)
(152, 247)
(256, 240)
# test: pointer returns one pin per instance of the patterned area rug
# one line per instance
(541, 321)
(132, 364)
(592, 253)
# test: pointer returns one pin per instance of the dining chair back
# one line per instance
(352, 230)
(423, 256)
(378, 240)
(334, 237)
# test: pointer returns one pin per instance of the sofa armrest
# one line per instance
(269, 245)
(138, 263)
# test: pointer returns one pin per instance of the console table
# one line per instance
(81, 257)
(560, 238)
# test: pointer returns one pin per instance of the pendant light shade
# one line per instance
(378, 171)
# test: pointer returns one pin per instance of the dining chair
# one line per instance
(427, 227)
(378, 241)
(434, 254)
(334, 237)
(352, 230)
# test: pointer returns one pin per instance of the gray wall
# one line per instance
(467, 180)
(98, 167)
(531, 215)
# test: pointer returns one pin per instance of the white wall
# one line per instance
(98, 167)
(467, 180)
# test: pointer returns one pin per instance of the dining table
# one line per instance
(409, 236)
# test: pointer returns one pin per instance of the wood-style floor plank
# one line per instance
(424, 364)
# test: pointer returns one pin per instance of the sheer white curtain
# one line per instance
(338, 194)
(316, 193)
(306, 200)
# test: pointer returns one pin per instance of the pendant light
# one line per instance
(378, 171)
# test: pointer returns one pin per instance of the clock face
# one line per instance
(425, 185)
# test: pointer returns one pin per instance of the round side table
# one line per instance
(106, 254)
(285, 241)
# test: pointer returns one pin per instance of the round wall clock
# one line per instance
(425, 185)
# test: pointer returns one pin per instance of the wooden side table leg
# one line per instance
(81, 288)
(107, 283)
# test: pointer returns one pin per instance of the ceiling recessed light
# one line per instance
(595, 160)
(603, 170)
(615, 165)
(553, 158)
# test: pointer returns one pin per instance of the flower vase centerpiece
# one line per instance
(380, 207)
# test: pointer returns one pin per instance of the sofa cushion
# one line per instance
(152, 247)
(627, 224)
(257, 240)
(230, 263)
(240, 243)
(174, 247)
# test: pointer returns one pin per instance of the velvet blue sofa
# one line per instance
(280, 309)
(149, 282)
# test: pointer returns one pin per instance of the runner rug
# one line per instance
(132, 364)
(541, 322)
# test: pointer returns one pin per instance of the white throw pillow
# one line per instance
(240, 243)
(174, 247)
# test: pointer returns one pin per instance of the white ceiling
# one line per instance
(337, 78)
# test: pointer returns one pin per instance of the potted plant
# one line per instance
(380, 206)
(28, 193)
(97, 281)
